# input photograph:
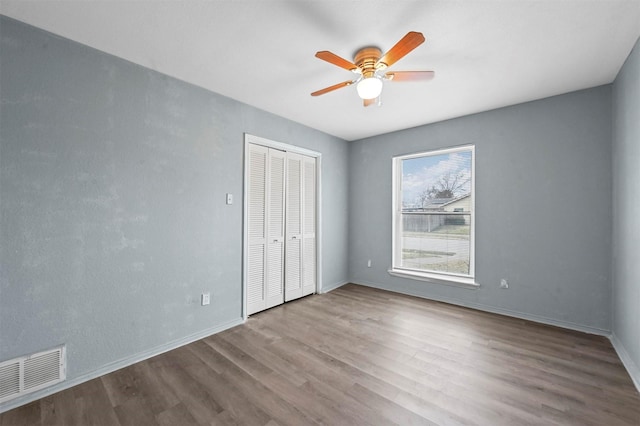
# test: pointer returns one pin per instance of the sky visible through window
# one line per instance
(423, 173)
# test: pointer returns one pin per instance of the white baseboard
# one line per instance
(632, 368)
(501, 311)
(116, 365)
(332, 287)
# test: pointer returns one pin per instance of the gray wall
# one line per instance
(112, 191)
(543, 208)
(626, 213)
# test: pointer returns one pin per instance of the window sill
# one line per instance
(467, 283)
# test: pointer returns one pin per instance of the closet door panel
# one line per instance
(275, 229)
(256, 228)
(293, 279)
(309, 226)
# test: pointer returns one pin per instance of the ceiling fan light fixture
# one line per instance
(369, 88)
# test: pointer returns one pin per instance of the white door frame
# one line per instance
(257, 140)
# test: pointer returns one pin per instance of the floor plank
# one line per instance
(359, 355)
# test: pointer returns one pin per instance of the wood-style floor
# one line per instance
(361, 356)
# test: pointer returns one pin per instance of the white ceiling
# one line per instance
(486, 54)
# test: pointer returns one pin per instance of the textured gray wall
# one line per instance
(626, 209)
(543, 208)
(112, 191)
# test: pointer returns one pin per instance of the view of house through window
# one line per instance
(433, 230)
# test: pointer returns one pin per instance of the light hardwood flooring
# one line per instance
(358, 356)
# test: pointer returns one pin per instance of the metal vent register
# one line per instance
(30, 373)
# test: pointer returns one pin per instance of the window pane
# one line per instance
(437, 242)
(436, 213)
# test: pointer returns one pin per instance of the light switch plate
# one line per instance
(229, 198)
(206, 298)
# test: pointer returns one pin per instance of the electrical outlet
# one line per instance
(369, 263)
(206, 298)
(229, 198)
(504, 283)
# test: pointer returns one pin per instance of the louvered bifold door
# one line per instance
(265, 259)
(309, 226)
(281, 227)
(293, 229)
(274, 283)
(256, 228)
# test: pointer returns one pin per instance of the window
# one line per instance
(433, 231)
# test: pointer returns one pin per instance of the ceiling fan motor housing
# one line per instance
(366, 59)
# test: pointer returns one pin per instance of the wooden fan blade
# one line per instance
(368, 102)
(410, 75)
(405, 45)
(334, 59)
(332, 88)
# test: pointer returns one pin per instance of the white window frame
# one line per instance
(461, 280)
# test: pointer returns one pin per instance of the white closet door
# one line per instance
(309, 226)
(274, 285)
(265, 258)
(281, 227)
(256, 228)
(293, 262)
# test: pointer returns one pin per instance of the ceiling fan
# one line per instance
(370, 65)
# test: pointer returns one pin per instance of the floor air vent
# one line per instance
(31, 373)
